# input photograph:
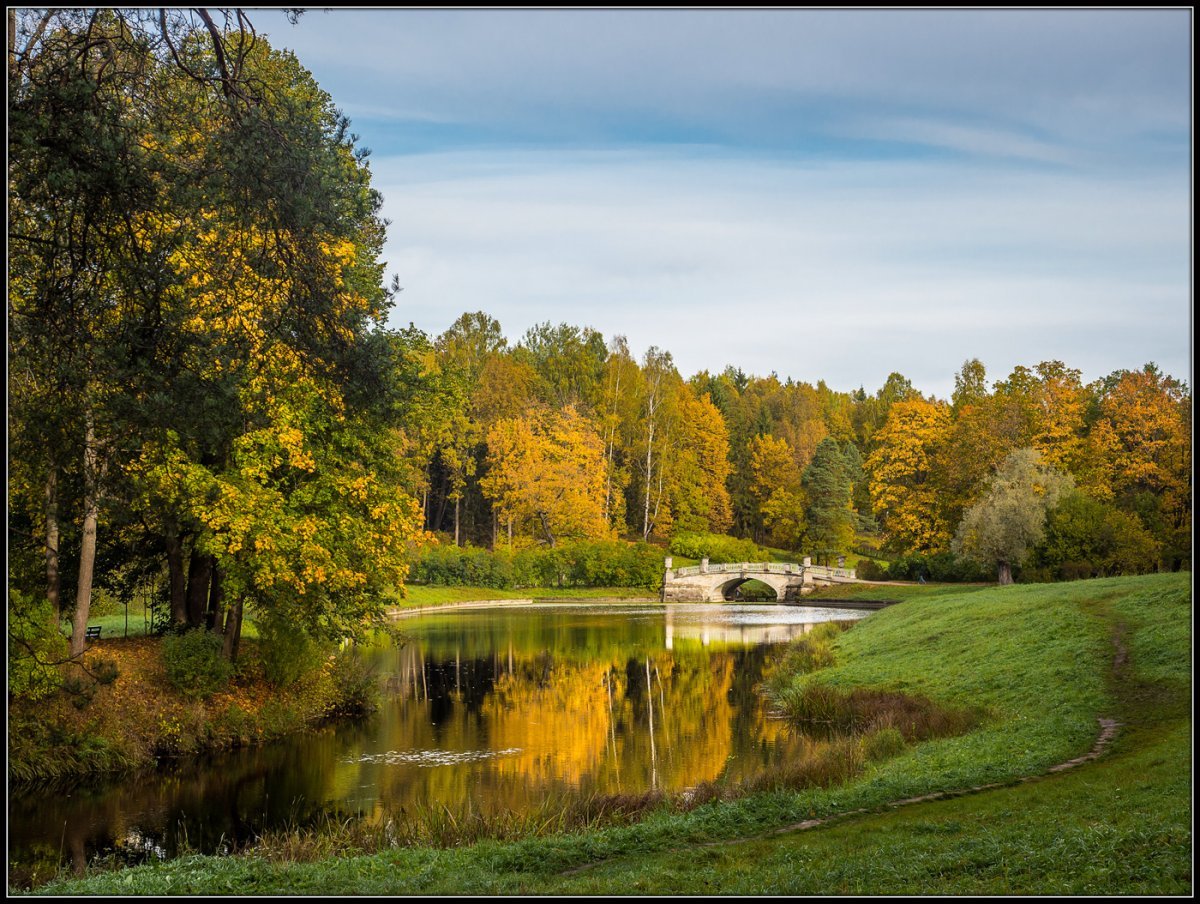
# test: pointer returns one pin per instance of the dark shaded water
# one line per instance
(496, 708)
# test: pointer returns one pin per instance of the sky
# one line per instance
(825, 194)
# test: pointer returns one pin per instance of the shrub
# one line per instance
(355, 687)
(288, 653)
(194, 664)
(870, 570)
(716, 548)
(883, 744)
(34, 646)
(940, 566)
(585, 563)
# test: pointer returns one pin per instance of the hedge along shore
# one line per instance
(1039, 657)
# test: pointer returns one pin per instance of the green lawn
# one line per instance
(1038, 658)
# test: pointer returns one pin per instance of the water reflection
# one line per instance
(496, 709)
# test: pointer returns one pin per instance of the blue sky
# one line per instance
(825, 194)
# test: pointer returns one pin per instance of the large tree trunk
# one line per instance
(233, 630)
(87, 551)
(456, 502)
(199, 573)
(425, 497)
(649, 462)
(53, 587)
(1005, 576)
(546, 527)
(216, 601)
(611, 445)
(176, 579)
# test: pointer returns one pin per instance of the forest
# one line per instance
(205, 390)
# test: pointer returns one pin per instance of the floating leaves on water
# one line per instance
(432, 757)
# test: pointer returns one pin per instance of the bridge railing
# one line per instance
(828, 572)
(735, 567)
(762, 567)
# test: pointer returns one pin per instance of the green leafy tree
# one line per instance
(569, 361)
(829, 487)
(1010, 519)
(1087, 538)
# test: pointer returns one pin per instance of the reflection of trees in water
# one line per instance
(666, 719)
(661, 719)
(587, 705)
(206, 804)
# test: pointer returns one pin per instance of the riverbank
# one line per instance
(1041, 659)
(137, 720)
(133, 719)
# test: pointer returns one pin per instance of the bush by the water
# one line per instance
(194, 664)
(288, 653)
(600, 563)
(716, 548)
(355, 685)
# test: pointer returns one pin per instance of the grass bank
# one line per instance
(1038, 659)
(135, 718)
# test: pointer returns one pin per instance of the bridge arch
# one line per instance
(729, 589)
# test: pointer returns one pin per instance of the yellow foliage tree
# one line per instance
(776, 486)
(545, 475)
(900, 475)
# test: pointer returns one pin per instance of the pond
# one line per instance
(496, 709)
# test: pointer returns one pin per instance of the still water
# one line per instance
(495, 708)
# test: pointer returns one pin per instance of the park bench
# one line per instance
(93, 633)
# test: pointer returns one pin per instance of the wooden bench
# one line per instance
(93, 633)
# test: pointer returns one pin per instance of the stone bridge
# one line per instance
(714, 583)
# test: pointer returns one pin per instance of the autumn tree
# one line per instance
(1060, 424)
(696, 465)
(1002, 528)
(901, 475)
(777, 487)
(545, 474)
(1139, 456)
(230, 348)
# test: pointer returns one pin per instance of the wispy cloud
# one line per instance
(828, 194)
(805, 270)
